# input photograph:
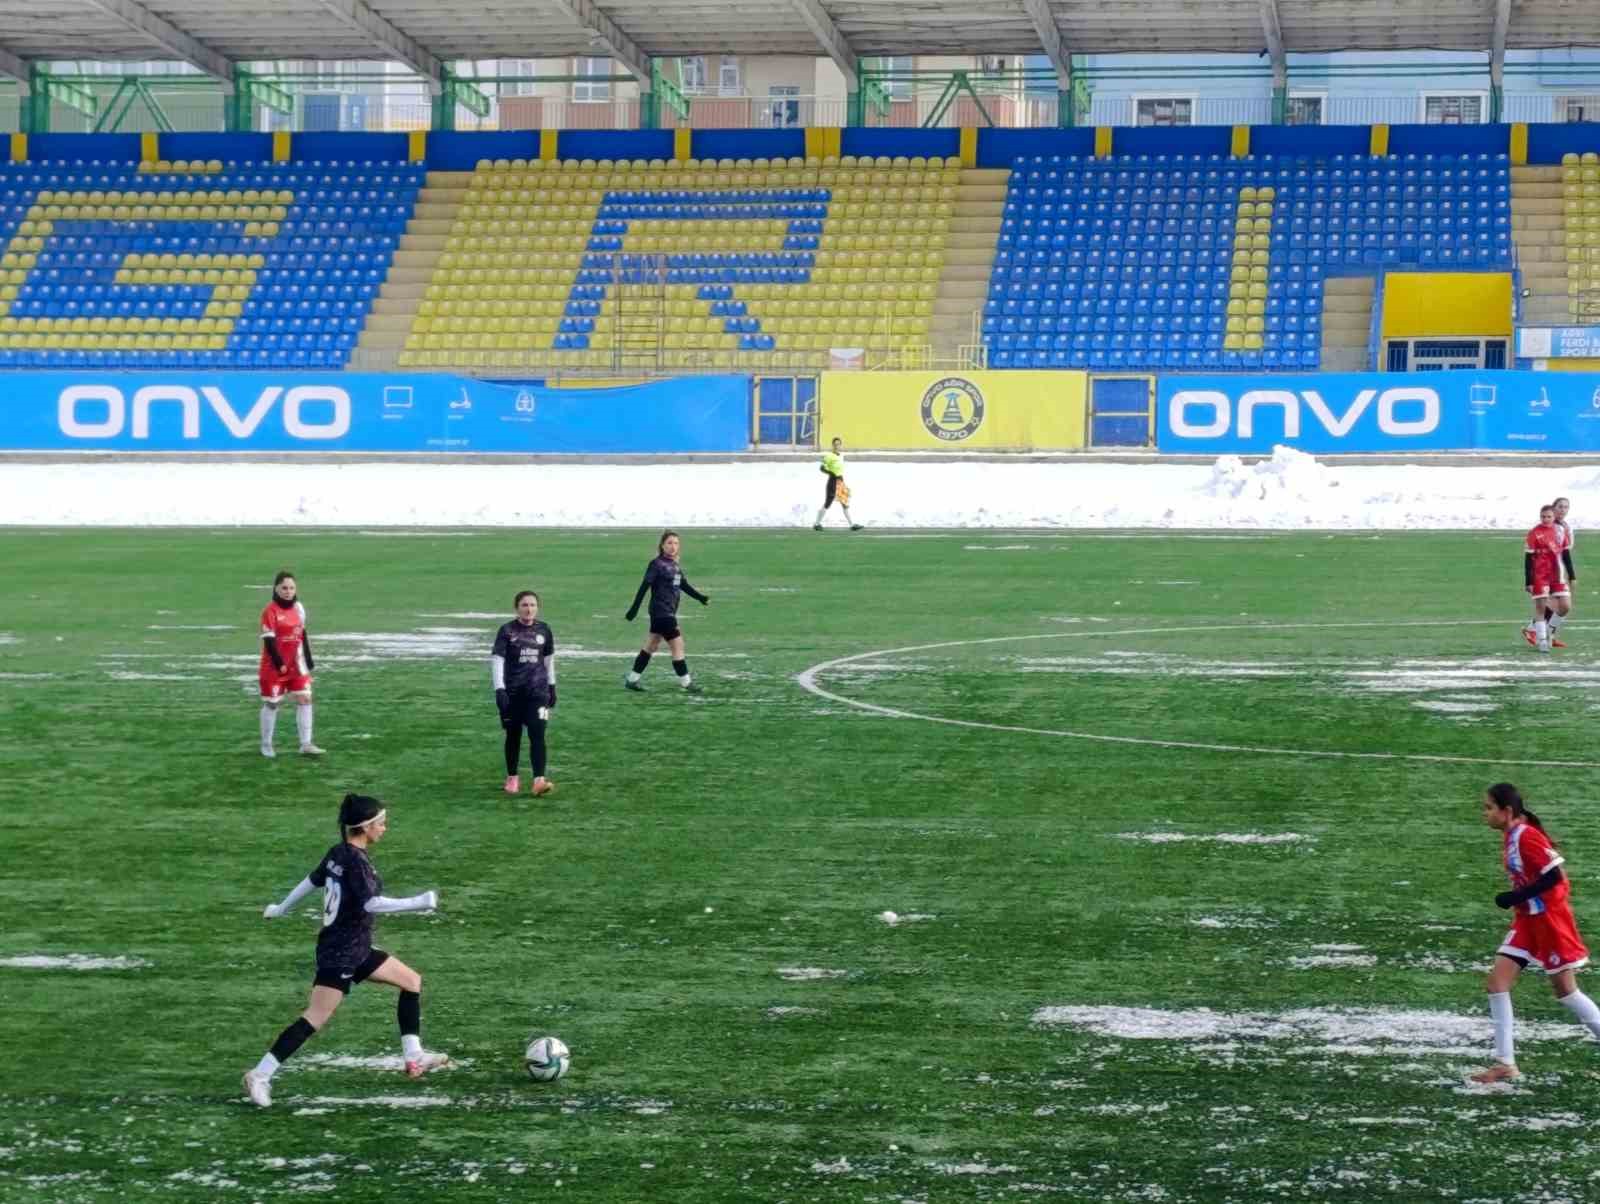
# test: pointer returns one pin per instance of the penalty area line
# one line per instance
(808, 682)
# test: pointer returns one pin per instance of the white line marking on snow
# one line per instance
(808, 682)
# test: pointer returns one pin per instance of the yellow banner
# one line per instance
(1464, 304)
(954, 411)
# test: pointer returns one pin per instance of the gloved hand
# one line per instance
(502, 702)
(551, 705)
(705, 600)
(1506, 899)
(631, 615)
(271, 911)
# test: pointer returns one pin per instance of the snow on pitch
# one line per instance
(72, 961)
(1290, 491)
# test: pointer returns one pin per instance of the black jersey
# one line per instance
(663, 578)
(526, 650)
(348, 880)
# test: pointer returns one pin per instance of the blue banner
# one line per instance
(1371, 412)
(351, 412)
(1558, 342)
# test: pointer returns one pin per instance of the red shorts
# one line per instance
(290, 681)
(1550, 587)
(1549, 940)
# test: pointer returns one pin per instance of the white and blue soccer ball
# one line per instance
(547, 1058)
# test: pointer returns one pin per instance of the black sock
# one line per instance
(681, 668)
(409, 1012)
(536, 746)
(640, 661)
(291, 1039)
(513, 748)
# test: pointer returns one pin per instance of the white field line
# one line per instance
(808, 682)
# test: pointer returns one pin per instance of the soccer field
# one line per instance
(1180, 835)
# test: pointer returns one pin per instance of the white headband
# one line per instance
(365, 822)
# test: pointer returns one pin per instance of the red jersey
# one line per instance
(286, 625)
(1545, 545)
(1528, 854)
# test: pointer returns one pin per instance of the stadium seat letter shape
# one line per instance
(1163, 262)
(194, 265)
(686, 264)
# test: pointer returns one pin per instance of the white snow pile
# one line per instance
(1290, 491)
(895, 919)
(1216, 838)
(1354, 1031)
(807, 973)
(72, 961)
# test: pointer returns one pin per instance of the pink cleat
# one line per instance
(419, 1066)
(1527, 634)
(513, 784)
(543, 786)
(1498, 1073)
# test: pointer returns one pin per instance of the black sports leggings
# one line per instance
(830, 490)
(536, 750)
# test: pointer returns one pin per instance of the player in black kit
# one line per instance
(352, 893)
(663, 579)
(523, 668)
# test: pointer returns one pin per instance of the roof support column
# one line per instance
(1497, 58)
(1272, 29)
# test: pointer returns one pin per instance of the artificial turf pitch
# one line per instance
(696, 846)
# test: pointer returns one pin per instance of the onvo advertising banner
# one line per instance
(1375, 412)
(352, 412)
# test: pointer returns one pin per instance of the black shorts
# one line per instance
(524, 708)
(830, 490)
(333, 976)
(665, 626)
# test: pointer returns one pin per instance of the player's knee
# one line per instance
(415, 986)
(271, 703)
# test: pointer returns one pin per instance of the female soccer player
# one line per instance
(663, 578)
(833, 469)
(1562, 506)
(522, 668)
(286, 664)
(352, 893)
(1544, 930)
(1545, 577)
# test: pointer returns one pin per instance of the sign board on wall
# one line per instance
(1558, 342)
(954, 411)
(1371, 412)
(354, 412)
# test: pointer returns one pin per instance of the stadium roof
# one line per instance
(215, 34)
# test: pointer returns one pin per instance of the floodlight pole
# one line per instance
(1272, 29)
(1497, 59)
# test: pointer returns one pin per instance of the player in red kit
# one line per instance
(1544, 931)
(286, 664)
(1545, 575)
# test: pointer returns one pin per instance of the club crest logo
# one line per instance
(952, 409)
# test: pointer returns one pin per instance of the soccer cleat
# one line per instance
(1498, 1073)
(693, 688)
(310, 750)
(816, 526)
(1527, 634)
(259, 1088)
(629, 684)
(426, 1061)
(543, 786)
(1544, 645)
(268, 751)
(513, 784)
(855, 526)
(1555, 643)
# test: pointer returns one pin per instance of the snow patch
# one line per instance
(839, 1166)
(376, 1101)
(778, 1013)
(807, 973)
(1217, 838)
(894, 919)
(973, 1168)
(332, 1061)
(1324, 961)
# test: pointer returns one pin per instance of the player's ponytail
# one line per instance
(357, 811)
(1508, 798)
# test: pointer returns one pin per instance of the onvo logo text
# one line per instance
(103, 412)
(1207, 414)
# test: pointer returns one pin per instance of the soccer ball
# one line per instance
(548, 1059)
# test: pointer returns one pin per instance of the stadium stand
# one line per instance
(194, 264)
(680, 264)
(1209, 262)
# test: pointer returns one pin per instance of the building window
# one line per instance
(898, 89)
(692, 74)
(523, 67)
(783, 106)
(730, 78)
(1306, 108)
(1163, 110)
(1578, 108)
(1464, 109)
(592, 91)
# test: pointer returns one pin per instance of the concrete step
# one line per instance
(448, 179)
(977, 258)
(984, 208)
(1348, 286)
(430, 225)
(371, 339)
(986, 175)
(1535, 173)
(1343, 359)
(976, 195)
(966, 272)
(422, 242)
(972, 240)
(987, 225)
(1535, 189)
(412, 257)
(399, 290)
(1536, 310)
(1537, 221)
(1525, 206)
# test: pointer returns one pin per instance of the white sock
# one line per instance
(1541, 631)
(411, 1046)
(1585, 1009)
(684, 680)
(820, 513)
(269, 724)
(302, 723)
(1500, 1013)
(267, 1067)
(847, 517)
(632, 676)
(1555, 623)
